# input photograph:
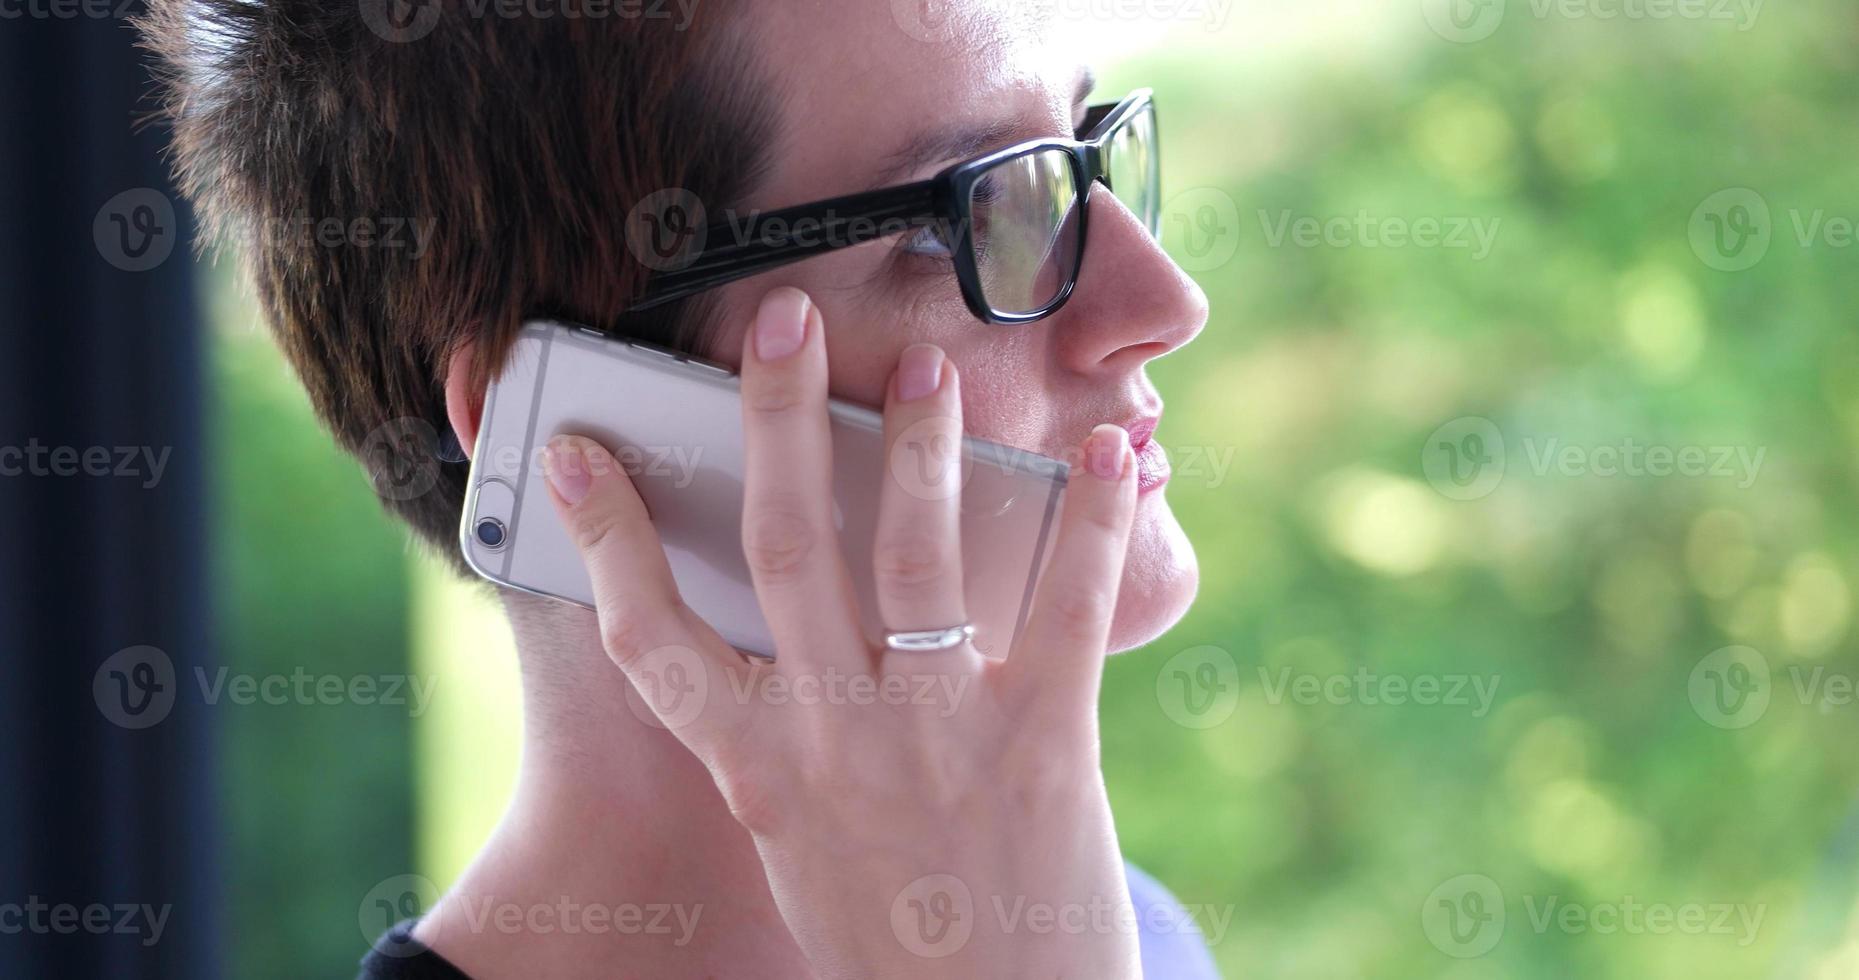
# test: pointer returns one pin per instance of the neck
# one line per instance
(616, 851)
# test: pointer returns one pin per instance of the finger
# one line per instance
(1061, 652)
(917, 551)
(788, 533)
(644, 626)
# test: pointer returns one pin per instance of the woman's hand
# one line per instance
(951, 820)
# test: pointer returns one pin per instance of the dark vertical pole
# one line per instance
(107, 828)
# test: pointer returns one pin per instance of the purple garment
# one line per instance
(1173, 947)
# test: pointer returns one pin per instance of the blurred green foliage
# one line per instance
(1335, 831)
(1598, 317)
(311, 575)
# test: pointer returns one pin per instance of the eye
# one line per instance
(926, 241)
(986, 191)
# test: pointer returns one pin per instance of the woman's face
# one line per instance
(867, 104)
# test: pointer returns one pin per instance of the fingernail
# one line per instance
(919, 372)
(1108, 453)
(567, 468)
(781, 324)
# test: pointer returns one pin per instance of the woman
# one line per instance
(972, 839)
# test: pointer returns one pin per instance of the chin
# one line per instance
(1160, 576)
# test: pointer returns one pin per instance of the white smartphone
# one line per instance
(674, 423)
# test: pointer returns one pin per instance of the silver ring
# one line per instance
(929, 641)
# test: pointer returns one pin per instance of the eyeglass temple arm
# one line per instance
(1093, 116)
(739, 249)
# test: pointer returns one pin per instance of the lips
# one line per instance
(1152, 468)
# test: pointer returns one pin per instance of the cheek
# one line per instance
(1008, 392)
(868, 328)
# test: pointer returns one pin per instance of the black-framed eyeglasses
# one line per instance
(1013, 221)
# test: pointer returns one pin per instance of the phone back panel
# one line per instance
(675, 424)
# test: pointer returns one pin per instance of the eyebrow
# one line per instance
(966, 140)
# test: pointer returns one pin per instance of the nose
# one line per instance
(1132, 302)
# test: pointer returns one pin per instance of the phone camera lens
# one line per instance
(490, 532)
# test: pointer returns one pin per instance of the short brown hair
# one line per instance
(524, 140)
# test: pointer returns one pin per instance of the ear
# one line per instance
(464, 402)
